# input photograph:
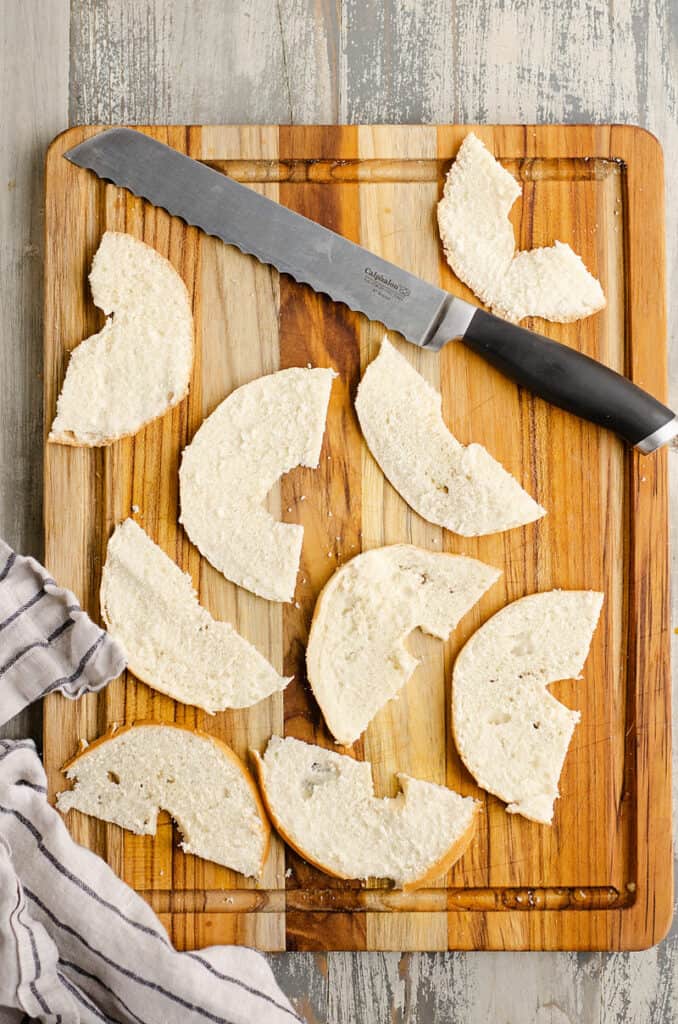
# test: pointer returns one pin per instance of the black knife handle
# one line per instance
(572, 381)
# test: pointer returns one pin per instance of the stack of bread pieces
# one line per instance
(511, 733)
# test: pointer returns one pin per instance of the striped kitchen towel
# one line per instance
(47, 642)
(78, 945)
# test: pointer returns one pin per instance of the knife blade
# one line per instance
(424, 314)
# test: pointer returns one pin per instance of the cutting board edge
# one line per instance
(627, 143)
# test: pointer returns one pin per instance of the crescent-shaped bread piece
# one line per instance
(461, 488)
(139, 364)
(262, 430)
(129, 774)
(477, 235)
(356, 656)
(171, 641)
(323, 805)
(511, 732)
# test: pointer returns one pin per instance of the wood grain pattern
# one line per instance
(608, 854)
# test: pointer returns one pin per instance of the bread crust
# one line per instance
(450, 857)
(114, 731)
(154, 684)
(439, 867)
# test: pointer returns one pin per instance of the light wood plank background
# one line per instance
(315, 61)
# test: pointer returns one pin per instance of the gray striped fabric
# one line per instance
(47, 642)
(78, 945)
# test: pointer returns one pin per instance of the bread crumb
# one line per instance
(288, 873)
(135, 509)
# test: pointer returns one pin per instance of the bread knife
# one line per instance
(423, 313)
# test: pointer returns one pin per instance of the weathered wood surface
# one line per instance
(33, 107)
(443, 60)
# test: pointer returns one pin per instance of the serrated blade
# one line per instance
(310, 253)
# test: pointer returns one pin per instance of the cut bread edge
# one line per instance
(454, 853)
(212, 712)
(116, 730)
(326, 594)
(157, 683)
(68, 438)
(489, 287)
(434, 871)
(511, 806)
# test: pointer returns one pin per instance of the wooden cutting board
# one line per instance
(600, 877)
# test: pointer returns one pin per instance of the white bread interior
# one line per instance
(129, 775)
(459, 487)
(473, 217)
(357, 657)
(139, 364)
(261, 431)
(171, 641)
(511, 732)
(323, 804)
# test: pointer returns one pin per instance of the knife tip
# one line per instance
(82, 153)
